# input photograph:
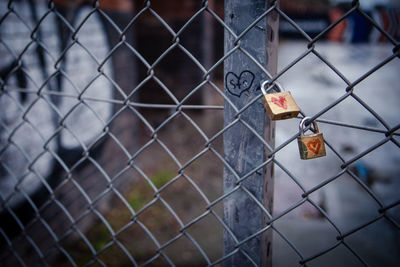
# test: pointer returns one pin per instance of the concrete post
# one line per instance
(242, 149)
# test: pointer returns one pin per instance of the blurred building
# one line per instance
(314, 16)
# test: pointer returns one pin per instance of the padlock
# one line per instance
(310, 146)
(280, 106)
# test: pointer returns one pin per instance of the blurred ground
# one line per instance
(348, 205)
(156, 165)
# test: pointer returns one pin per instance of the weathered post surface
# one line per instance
(242, 149)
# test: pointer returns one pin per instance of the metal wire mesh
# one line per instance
(63, 100)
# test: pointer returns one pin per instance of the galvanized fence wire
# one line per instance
(45, 93)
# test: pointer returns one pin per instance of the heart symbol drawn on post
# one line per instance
(281, 102)
(314, 146)
(238, 84)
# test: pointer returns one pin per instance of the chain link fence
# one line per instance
(115, 152)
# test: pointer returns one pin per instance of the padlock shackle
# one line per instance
(267, 83)
(302, 123)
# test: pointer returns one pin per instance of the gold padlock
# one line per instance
(310, 146)
(280, 106)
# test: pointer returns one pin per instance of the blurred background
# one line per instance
(103, 105)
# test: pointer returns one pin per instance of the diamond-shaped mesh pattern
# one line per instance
(113, 156)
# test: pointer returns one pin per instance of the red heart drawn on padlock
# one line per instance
(281, 102)
(314, 145)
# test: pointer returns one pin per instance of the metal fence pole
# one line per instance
(242, 150)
